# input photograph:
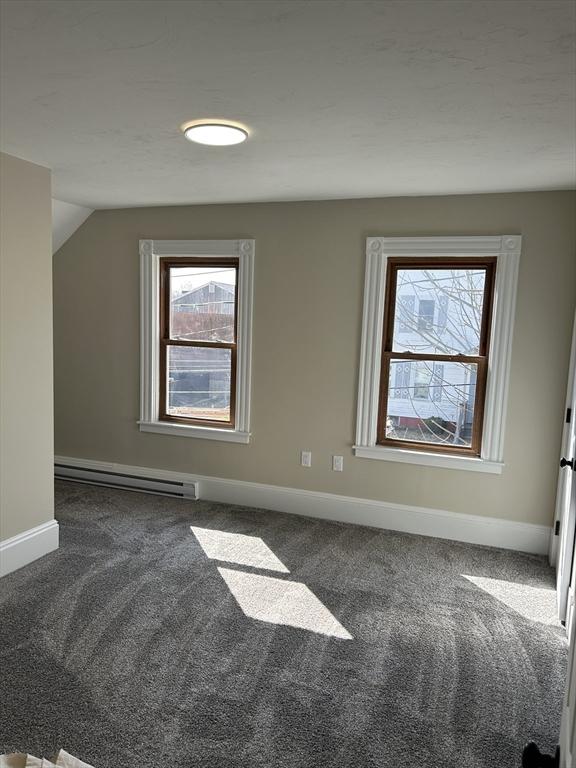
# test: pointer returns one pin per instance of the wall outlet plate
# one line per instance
(306, 458)
(338, 463)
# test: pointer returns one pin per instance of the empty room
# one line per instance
(287, 383)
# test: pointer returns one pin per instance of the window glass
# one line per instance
(431, 403)
(439, 310)
(202, 303)
(199, 381)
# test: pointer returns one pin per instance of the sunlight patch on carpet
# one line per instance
(282, 602)
(238, 548)
(534, 603)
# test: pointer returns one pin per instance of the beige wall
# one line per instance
(26, 392)
(308, 303)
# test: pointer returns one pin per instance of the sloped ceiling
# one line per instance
(66, 218)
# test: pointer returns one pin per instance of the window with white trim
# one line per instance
(436, 344)
(196, 324)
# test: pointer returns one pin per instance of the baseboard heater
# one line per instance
(127, 482)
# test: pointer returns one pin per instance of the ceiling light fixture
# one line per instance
(218, 133)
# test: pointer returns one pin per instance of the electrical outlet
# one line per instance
(306, 458)
(338, 463)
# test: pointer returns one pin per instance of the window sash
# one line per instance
(167, 341)
(481, 360)
(479, 402)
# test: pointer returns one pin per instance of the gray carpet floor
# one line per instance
(142, 644)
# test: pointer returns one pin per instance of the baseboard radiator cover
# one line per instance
(424, 521)
(127, 482)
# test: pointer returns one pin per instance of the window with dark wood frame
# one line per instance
(203, 358)
(435, 356)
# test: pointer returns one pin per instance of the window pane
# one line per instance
(202, 303)
(199, 383)
(439, 311)
(431, 402)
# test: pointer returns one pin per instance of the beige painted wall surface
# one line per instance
(308, 304)
(26, 391)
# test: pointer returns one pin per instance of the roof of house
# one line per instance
(224, 286)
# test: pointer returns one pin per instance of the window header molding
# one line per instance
(506, 249)
(151, 251)
(216, 248)
(444, 246)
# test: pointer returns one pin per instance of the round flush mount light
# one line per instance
(217, 133)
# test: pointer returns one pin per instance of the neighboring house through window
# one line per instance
(436, 350)
(426, 314)
(196, 299)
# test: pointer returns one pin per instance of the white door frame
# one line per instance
(562, 544)
(568, 727)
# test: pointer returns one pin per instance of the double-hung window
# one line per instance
(196, 309)
(436, 348)
(198, 331)
(422, 420)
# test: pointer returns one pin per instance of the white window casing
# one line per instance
(151, 251)
(506, 249)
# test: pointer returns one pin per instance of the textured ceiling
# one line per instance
(345, 99)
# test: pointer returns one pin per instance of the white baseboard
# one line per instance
(489, 531)
(27, 546)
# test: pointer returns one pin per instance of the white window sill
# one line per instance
(185, 430)
(428, 459)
